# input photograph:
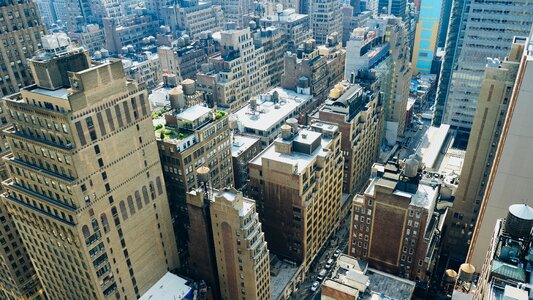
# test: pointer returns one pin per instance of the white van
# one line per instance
(329, 263)
(321, 275)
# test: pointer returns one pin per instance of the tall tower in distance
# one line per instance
(85, 190)
(21, 30)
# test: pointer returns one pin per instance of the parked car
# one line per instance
(315, 286)
(321, 275)
(329, 263)
(337, 253)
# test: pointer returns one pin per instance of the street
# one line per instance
(338, 241)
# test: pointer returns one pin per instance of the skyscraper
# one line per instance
(493, 101)
(326, 18)
(392, 7)
(85, 189)
(296, 183)
(510, 179)
(427, 31)
(241, 257)
(21, 29)
(477, 30)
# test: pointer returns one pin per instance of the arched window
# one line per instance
(105, 224)
(145, 195)
(159, 185)
(138, 200)
(152, 191)
(85, 230)
(130, 205)
(123, 211)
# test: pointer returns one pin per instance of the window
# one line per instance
(123, 211)
(130, 205)
(105, 224)
(138, 200)
(96, 149)
(145, 195)
(100, 162)
(159, 185)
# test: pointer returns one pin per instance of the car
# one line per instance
(321, 275)
(315, 286)
(337, 253)
(329, 264)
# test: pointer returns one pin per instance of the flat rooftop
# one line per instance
(432, 143)
(268, 114)
(281, 274)
(159, 97)
(61, 93)
(242, 143)
(193, 113)
(300, 160)
(388, 287)
(170, 286)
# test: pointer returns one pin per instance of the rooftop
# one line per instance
(193, 113)
(61, 93)
(170, 286)
(281, 274)
(385, 286)
(241, 143)
(432, 143)
(269, 114)
(299, 161)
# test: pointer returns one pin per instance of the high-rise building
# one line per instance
(427, 34)
(91, 37)
(393, 224)
(295, 26)
(241, 258)
(243, 149)
(317, 68)
(86, 190)
(18, 279)
(326, 19)
(238, 73)
(444, 22)
(273, 43)
(477, 30)
(295, 182)
(187, 139)
(128, 31)
(392, 7)
(496, 90)
(381, 50)
(359, 115)
(192, 17)
(22, 29)
(237, 11)
(510, 177)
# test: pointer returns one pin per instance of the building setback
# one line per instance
(186, 140)
(240, 254)
(85, 179)
(243, 149)
(296, 183)
(359, 116)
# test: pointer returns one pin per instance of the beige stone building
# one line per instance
(21, 37)
(238, 73)
(296, 182)
(510, 179)
(359, 116)
(86, 190)
(326, 18)
(241, 256)
(196, 136)
(492, 105)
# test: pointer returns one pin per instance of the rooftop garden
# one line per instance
(220, 114)
(170, 133)
(159, 113)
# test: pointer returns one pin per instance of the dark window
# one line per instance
(81, 134)
(145, 195)
(159, 185)
(110, 119)
(138, 200)
(105, 224)
(101, 123)
(100, 162)
(96, 149)
(119, 116)
(143, 107)
(123, 210)
(127, 112)
(90, 126)
(130, 205)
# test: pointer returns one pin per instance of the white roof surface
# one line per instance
(269, 116)
(300, 160)
(241, 143)
(169, 287)
(432, 143)
(194, 112)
